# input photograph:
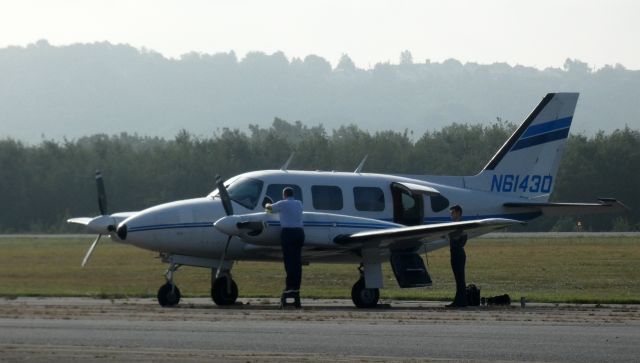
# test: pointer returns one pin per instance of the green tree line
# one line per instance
(42, 185)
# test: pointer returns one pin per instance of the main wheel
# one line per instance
(168, 295)
(222, 295)
(363, 297)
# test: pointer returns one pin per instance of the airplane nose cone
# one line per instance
(122, 232)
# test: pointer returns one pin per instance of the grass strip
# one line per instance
(574, 270)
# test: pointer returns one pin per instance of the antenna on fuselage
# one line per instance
(286, 163)
(359, 168)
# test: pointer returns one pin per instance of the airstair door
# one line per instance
(408, 207)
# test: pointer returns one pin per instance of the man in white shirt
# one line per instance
(292, 239)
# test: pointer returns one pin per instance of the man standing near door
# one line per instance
(457, 240)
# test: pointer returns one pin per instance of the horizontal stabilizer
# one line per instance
(605, 205)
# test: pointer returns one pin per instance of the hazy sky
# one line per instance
(538, 33)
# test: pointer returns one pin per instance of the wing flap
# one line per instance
(605, 205)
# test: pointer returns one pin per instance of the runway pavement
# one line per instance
(77, 329)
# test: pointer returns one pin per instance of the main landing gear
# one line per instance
(363, 297)
(224, 291)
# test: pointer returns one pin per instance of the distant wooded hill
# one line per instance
(83, 89)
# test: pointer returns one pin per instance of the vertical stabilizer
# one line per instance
(527, 164)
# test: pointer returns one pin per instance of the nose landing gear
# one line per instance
(224, 291)
(169, 294)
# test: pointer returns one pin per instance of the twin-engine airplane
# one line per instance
(360, 218)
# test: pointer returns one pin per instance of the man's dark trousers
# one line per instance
(458, 260)
(292, 241)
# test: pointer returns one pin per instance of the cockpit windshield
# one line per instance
(244, 191)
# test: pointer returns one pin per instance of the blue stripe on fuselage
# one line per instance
(338, 224)
(360, 225)
(170, 226)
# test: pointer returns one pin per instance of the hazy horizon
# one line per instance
(541, 34)
(171, 66)
(85, 89)
(334, 64)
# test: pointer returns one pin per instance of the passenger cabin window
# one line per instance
(438, 203)
(368, 199)
(326, 197)
(245, 191)
(274, 191)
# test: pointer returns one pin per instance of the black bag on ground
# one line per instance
(499, 300)
(473, 295)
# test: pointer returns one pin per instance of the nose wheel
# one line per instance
(169, 294)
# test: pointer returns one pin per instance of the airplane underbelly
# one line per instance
(318, 236)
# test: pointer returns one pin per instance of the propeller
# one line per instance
(231, 224)
(90, 251)
(228, 209)
(102, 219)
(224, 196)
(102, 195)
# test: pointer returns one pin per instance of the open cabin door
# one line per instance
(408, 209)
(408, 203)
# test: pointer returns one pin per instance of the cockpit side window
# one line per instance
(245, 191)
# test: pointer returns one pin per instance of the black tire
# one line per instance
(363, 297)
(219, 293)
(168, 295)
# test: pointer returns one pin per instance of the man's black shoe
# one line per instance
(290, 294)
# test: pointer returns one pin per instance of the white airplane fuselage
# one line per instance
(186, 227)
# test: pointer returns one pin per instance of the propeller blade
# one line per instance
(102, 195)
(224, 196)
(90, 251)
(224, 254)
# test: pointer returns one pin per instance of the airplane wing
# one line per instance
(81, 220)
(415, 236)
(114, 218)
(605, 205)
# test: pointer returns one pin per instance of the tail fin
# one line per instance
(527, 164)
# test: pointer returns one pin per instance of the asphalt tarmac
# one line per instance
(83, 329)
